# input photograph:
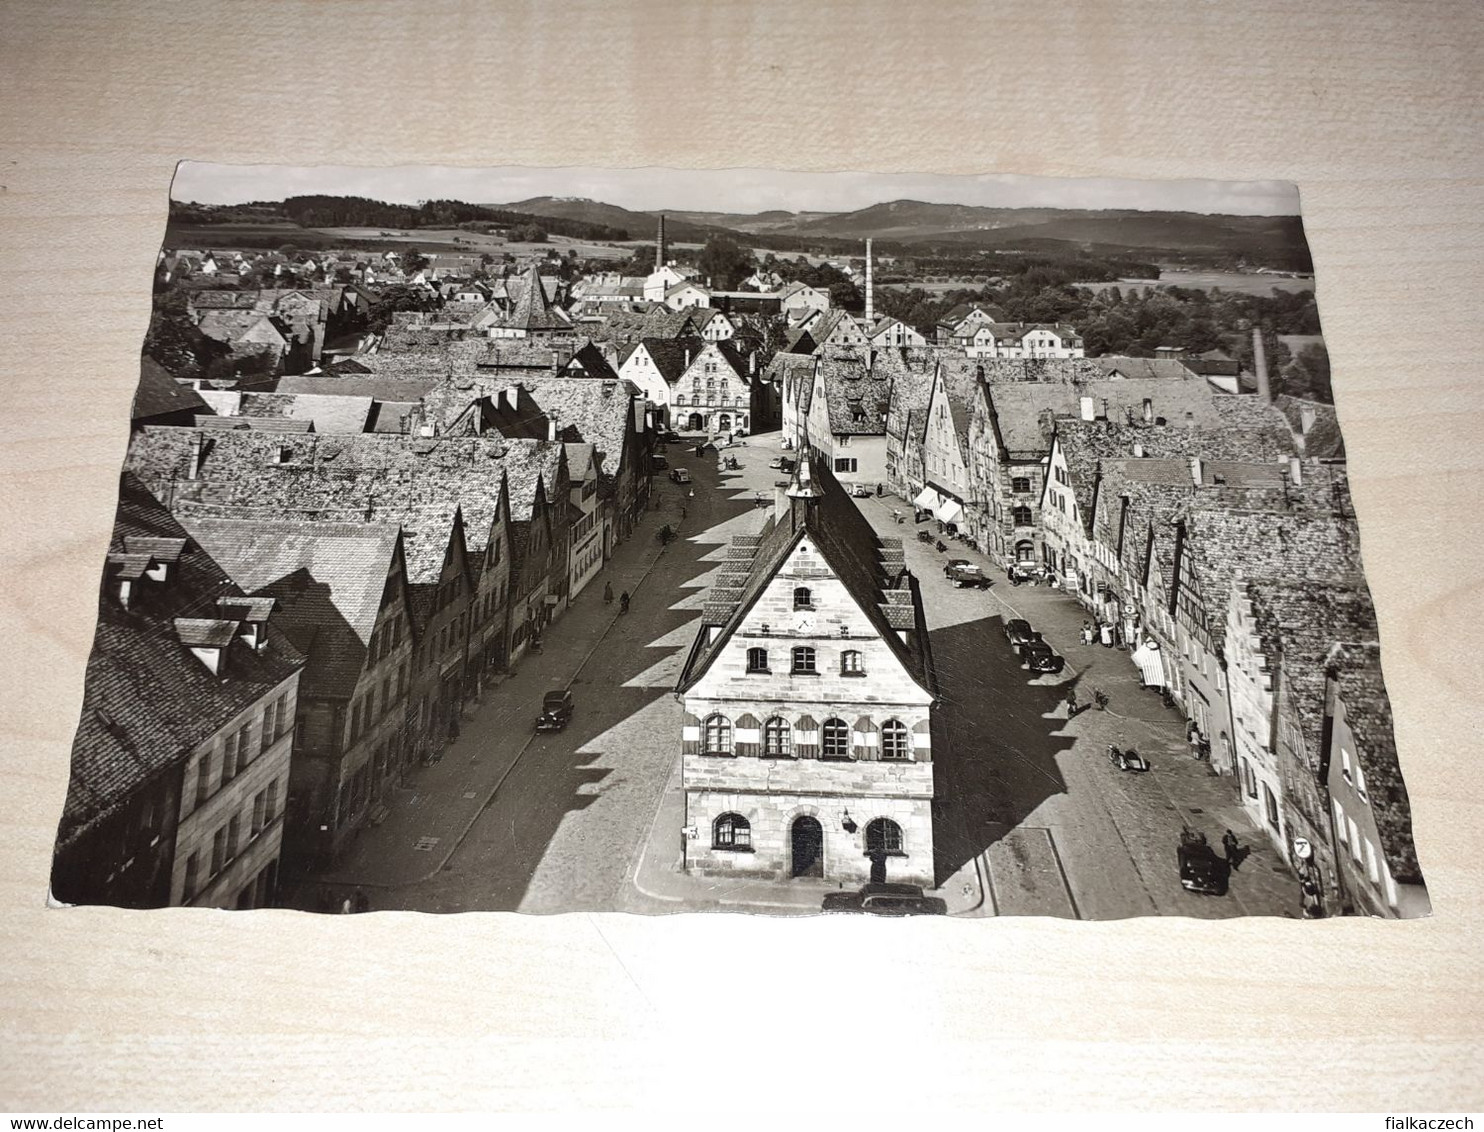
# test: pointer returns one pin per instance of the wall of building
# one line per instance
(772, 816)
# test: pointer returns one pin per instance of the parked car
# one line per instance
(1025, 571)
(658, 463)
(860, 491)
(556, 710)
(1017, 632)
(886, 900)
(782, 463)
(1038, 657)
(962, 574)
(680, 475)
(669, 437)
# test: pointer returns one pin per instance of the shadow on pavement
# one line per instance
(995, 745)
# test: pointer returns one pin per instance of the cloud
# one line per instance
(725, 190)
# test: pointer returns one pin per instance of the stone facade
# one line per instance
(772, 739)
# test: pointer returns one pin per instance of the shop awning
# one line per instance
(949, 511)
(1151, 668)
(928, 498)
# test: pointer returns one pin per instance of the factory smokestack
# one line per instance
(870, 296)
(659, 245)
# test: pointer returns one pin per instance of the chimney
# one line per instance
(1306, 419)
(1196, 471)
(1138, 451)
(1148, 410)
(752, 364)
(609, 387)
(551, 428)
(1260, 364)
(1295, 471)
(1104, 410)
(870, 295)
(687, 358)
(1189, 419)
(1088, 411)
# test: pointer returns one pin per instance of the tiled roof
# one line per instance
(328, 579)
(341, 477)
(147, 701)
(856, 395)
(1228, 545)
(158, 393)
(1085, 443)
(1298, 623)
(532, 310)
(1323, 439)
(1357, 674)
(849, 546)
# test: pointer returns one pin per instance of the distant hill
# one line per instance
(639, 225)
(1273, 240)
(755, 223)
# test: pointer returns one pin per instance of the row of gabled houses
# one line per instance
(306, 588)
(1211, 532)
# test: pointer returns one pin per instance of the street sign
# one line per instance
(691, 832)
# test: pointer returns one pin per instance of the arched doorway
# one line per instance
(724, 422)
(807, 843)
(695, 423)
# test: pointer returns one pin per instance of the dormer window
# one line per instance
(208, 639)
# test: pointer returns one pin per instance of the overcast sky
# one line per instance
(723, 190)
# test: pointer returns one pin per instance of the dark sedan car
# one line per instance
(1202, 871)
(886, 900)
(556, 711)
(1038, 657)
(1018, 632)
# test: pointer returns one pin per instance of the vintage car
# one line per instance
(1018, 631)
(962, 573)
(680, 475)
(860, 491)
(658, 463)
(1201, 870)
(781, 463)
(556, 711)
(669, 437)
(886, 900)
(1025, 571)
(1038, 657)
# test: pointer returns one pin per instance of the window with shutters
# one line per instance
(777, 738)
(835, 739)
(718, 735)
(732, 832)
(894, 740)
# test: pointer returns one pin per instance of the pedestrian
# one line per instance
(691, 494)
(1087, 632)
(879, 492)
(345, 907)
(1231, 848)
(607, 593)
(623, 602)
(1105, 632)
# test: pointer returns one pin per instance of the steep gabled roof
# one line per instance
(870, 568)
(159, 394)
(147, 700)
(1356, 671)
(532, 310)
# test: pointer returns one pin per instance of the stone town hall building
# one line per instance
(808, 698)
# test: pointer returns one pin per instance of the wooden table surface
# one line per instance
(1374, 108)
